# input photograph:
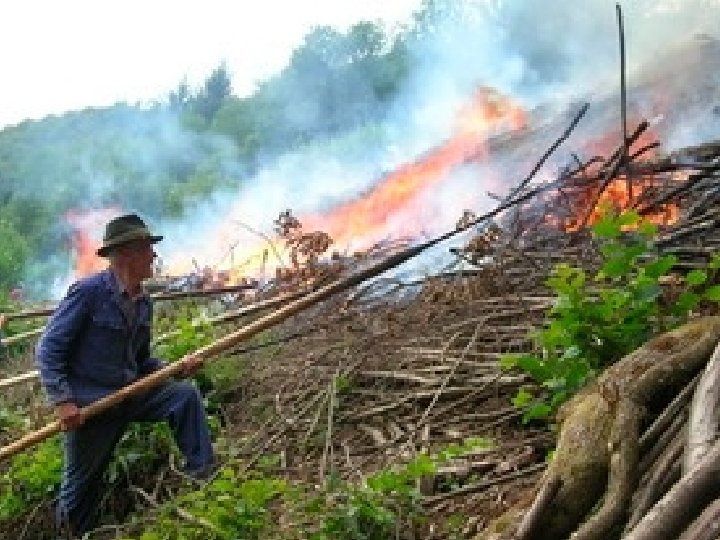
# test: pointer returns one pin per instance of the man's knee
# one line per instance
(186, 393)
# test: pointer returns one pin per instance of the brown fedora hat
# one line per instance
(124, 229)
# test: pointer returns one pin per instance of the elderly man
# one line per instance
(97, 341)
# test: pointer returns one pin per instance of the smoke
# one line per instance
(547, 56)
(549, 51)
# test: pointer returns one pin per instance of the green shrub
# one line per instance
(596, 320)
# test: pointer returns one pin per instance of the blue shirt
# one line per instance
(91, 346)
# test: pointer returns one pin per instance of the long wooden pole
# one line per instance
(158, 377)
(11, 340)
(231, 340)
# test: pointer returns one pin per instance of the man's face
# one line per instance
(139, 258)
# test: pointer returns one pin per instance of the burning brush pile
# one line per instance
(368, 380)
(399, 369)
(365, 381)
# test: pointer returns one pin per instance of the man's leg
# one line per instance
(180, 404)
(88, 451)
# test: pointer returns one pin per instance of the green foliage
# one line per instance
(215, 91)
(388, 501)
(31, 477)
(597, 320)
(236, 505)
(188, 336)
(230, 507)
(139, 450)
(14, 251)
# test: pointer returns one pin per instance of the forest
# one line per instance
(159, 159)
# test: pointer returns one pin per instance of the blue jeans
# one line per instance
(88, 450)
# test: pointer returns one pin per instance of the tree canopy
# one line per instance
(159, 159)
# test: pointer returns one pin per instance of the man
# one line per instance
(97, 341)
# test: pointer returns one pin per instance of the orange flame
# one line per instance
(388, 207)
(365, 220)
(87, 227)
(621, 194)
(619, 197)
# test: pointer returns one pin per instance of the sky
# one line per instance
(63, 56)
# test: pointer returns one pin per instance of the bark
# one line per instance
(586, 453)
(664, 473)
(685, 500)
(706, 526)
(625, 442)
(704, 414)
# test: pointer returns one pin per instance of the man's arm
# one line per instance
(53, 349)
(145, 362)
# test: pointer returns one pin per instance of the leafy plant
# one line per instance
(187, 337)
(242, 505)
(31, 477)
(229, 507)
(596, 320)
(386, 502)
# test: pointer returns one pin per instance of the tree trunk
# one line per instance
(704, 414)
(683, 502)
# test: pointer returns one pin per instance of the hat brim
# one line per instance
(107, 248)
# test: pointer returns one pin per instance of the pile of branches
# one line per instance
(381, 375)
(370, 378)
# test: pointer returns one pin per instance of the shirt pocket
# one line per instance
(108, 342)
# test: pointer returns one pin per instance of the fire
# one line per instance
(622, 193)
(390, 206)
(87, 227)
(366, 220)
(621, 196)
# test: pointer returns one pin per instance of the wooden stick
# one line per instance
(623, 100)
(11, 340)
(19, 379)
(231, 340)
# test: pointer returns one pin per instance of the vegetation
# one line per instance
(596, 320)
(242, 505)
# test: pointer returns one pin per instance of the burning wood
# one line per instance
(370, 393)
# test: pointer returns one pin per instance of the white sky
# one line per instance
(57, 56)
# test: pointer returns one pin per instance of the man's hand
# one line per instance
(191, 365)
(70, 415)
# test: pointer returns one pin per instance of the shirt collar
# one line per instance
(120, 290)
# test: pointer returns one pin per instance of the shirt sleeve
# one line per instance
(53, 349)
(146, 363)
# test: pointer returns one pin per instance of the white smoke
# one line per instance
(546, 55)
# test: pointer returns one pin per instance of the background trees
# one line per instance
(159, 159)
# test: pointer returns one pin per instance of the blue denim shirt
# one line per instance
(89, 347)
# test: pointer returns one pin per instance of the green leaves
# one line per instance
(696, 277)
(31, 477)
(594, 322)
(712, 293)
(660, 266)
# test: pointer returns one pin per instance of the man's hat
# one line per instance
(124, 229)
